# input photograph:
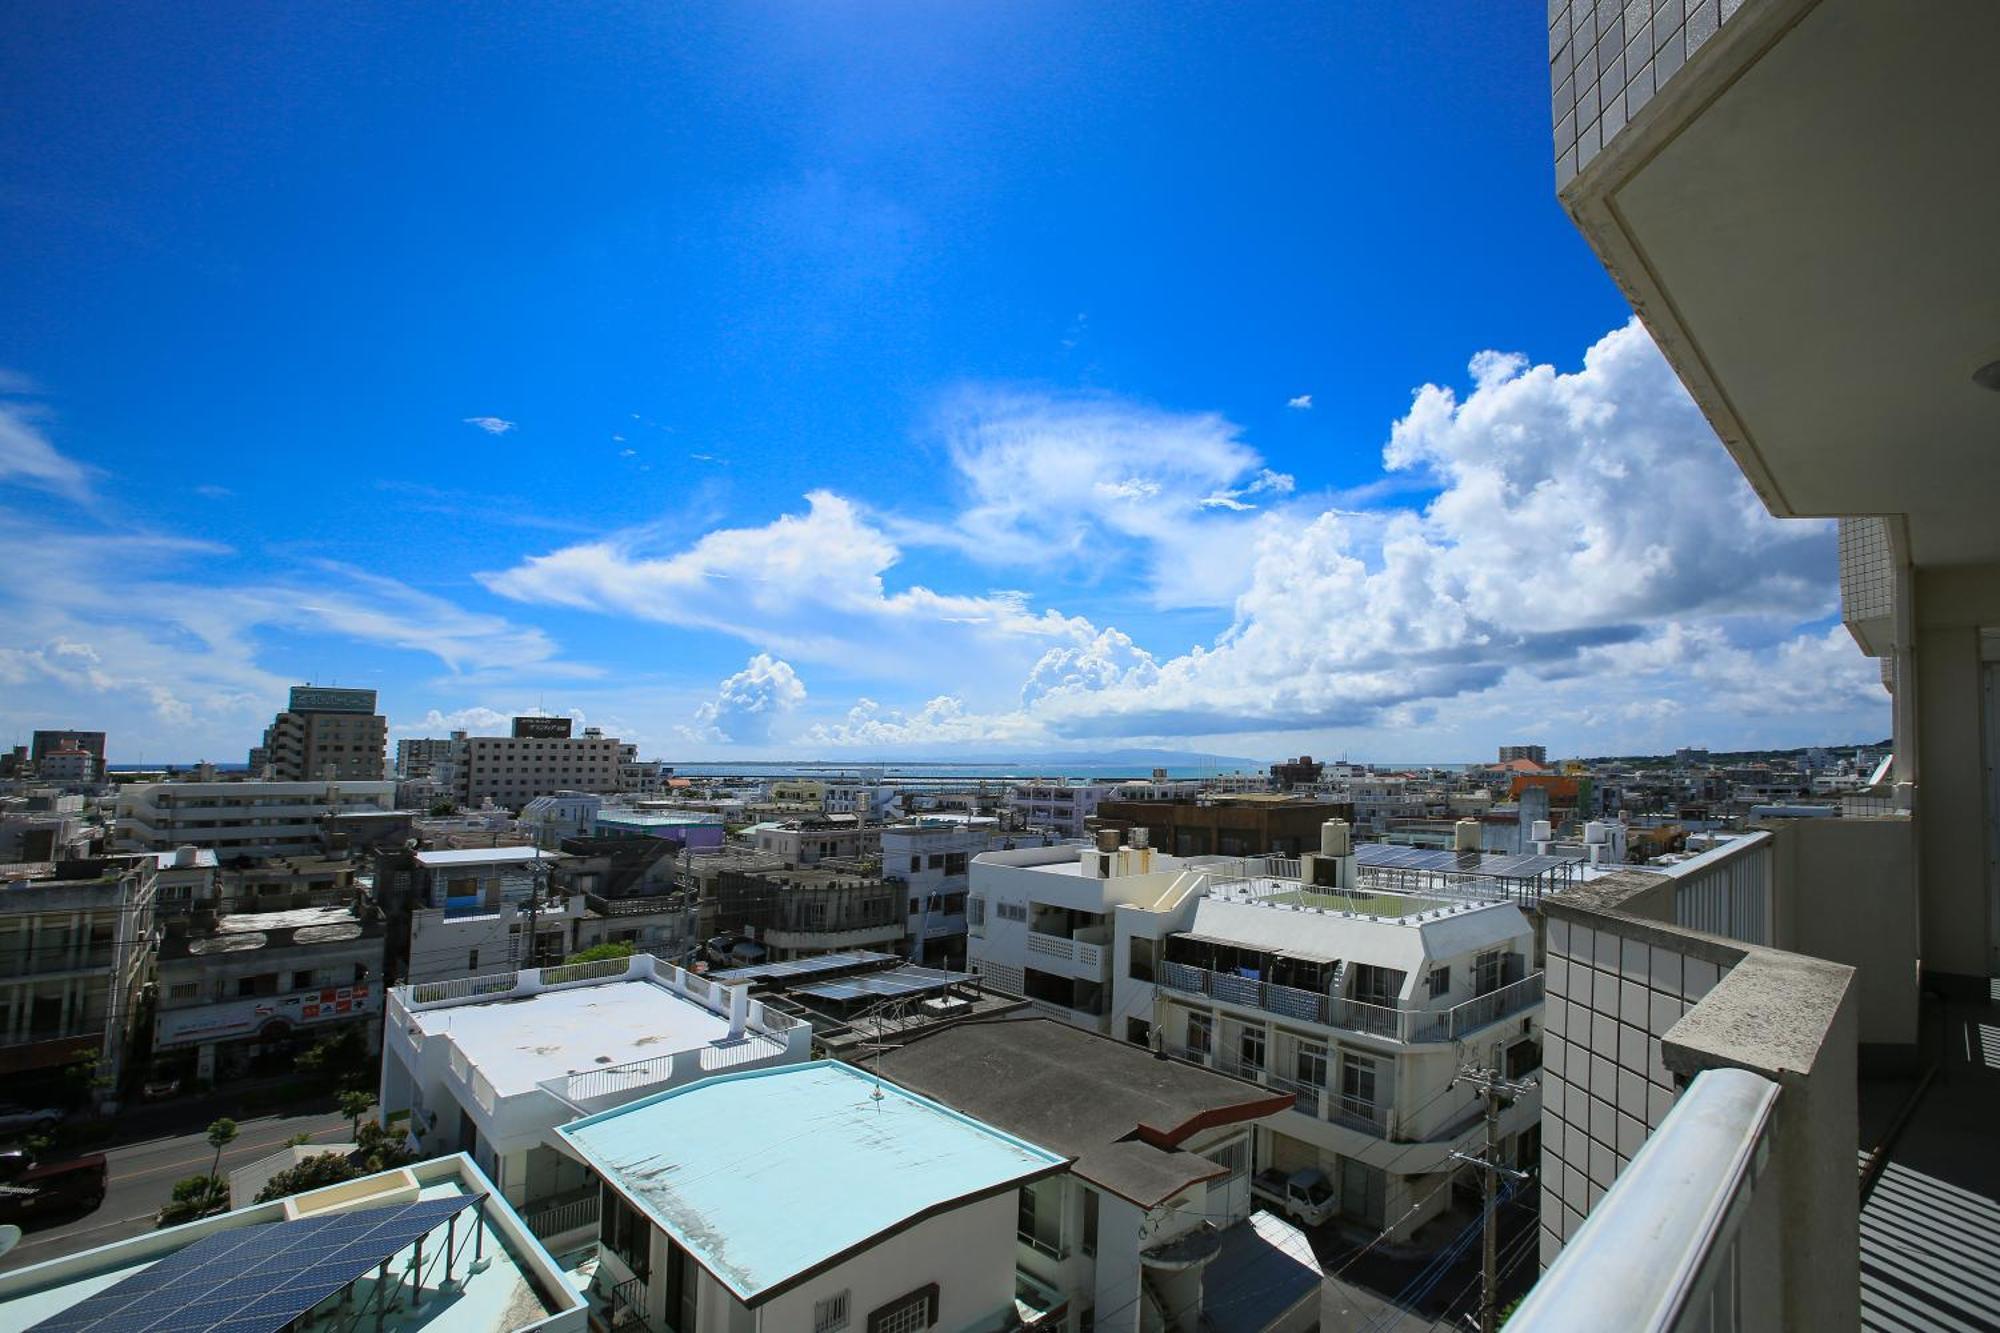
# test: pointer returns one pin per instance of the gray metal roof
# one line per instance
(1115, 1108)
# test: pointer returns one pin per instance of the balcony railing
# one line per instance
(1727, 890)
(1397, 1024)
(628, 1305)
(1662, 1250)
(1062, 948)
(566, 1212)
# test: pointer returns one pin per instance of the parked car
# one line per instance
(1304, 1196)
(18, 1119)
(30, 1189)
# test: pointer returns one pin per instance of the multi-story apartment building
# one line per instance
(325, 734)
(240, 819)
(1051, 803)
(1365, 1002)
(45, 743)
(479, 909)
(871, 802)
(806, 842)
(490, 1066)
(75, 943)
(1538, 755)
(1259, 824)
(69, 765)
(1040, 921)
(1309, 976)
(242, 991)
(800, 913)
(1766, 184)
(419, 756)
(931, 860)
(513, 770)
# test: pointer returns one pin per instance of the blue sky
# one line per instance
(855, 380)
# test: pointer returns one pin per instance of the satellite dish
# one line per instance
(10, 1236)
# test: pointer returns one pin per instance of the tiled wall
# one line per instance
(1608, 57)
(1605, 1088)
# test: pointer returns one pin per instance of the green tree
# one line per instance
(328, 1168)
(354, 1105)
(221, 1133)
(444, 808)
(380, 1149)
(600, 953)
(194, 1197)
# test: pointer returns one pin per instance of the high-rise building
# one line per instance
(514, 770)
(46, 743)
(1534, 754)
(325, 733)
(417, 757)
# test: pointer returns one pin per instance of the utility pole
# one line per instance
(1495, 1092)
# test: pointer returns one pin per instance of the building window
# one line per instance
(916, 864)
(1144, 955)
(1440, 980)
(1357, 1085)
(1201, 1034)
(907, 1314)
(830, 1315)
(184, 990)
(1310, 1066)
(975, 910)
(1250, 1050)
(1487, 971)
(472, 961)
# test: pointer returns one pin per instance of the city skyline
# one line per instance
(923, 387)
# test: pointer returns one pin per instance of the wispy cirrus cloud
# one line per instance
(491, 425)
(1302, 403)
(26, 456)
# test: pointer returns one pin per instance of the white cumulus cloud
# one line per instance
(491, 425)
(749, 705)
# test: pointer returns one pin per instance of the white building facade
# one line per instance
(235, 819)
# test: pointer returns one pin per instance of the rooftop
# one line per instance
(518, 1043)
(767, 1209)
(475, 856)
(1114, 1107)
(517, 1288)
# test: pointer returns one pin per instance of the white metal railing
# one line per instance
(569, 1212)
(1662, 1250)
(1727, 890)
(597, 1089)
(1382, 1020)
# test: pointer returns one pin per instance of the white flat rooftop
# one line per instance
(473, 856)
(519, 1043)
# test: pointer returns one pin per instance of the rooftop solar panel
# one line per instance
(1498, 865)
(881, 985)
(255, 1279)
(803, 967)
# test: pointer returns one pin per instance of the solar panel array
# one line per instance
(255, 1279)
(803, 967)
(886, 985)
(1499, 865)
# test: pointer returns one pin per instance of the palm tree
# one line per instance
(221, 1134)
(354, 1105)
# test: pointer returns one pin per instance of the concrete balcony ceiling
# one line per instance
(1805, 216)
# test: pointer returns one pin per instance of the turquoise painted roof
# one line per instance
(765, 1175)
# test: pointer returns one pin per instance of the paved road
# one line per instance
(143, 1175)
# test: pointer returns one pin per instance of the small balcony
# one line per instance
(1388, 1021)
(1081, 955)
